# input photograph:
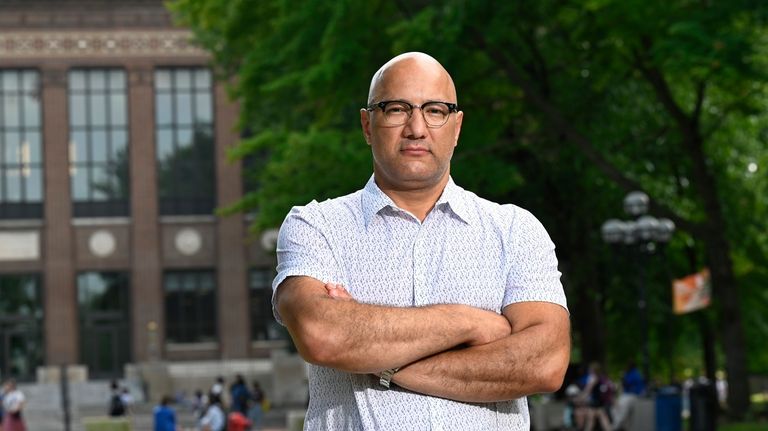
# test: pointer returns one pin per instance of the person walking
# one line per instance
(598, 397)
(13, 407)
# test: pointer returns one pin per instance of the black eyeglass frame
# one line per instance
(452, 107)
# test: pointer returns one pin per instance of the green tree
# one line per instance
(568, 106)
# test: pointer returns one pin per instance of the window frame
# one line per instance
(30, 325)
(263, 326)
(24, 207)
(93, 205)
(181, 328)
(172, 200)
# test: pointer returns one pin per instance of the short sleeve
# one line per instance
(303, 249)
(532, 264)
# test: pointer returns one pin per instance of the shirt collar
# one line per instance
(374, 200)
(456, 199)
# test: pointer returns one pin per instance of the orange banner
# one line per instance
(692, 293)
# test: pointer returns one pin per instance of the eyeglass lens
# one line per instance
(435, 113)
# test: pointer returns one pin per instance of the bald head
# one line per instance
(408, 64)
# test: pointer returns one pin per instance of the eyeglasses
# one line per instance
(398, 112)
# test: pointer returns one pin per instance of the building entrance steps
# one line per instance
(140, 417)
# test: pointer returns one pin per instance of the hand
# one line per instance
(338, 291)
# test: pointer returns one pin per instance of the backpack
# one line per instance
(605, 391)
(116, 406)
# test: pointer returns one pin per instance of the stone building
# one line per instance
(113, 140)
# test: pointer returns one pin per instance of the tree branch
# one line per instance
(663, 93)
(560, 124)
(701, 88)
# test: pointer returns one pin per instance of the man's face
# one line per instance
(413, 155)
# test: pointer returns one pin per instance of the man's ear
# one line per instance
(365, 123)
(457, 127)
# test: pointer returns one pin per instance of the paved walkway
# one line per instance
(140, 418)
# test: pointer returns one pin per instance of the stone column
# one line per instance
(61, 323)
(147, 326)
(234, 328)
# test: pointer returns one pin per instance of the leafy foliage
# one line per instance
(568, 105)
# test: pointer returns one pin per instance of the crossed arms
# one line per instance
(452, 351)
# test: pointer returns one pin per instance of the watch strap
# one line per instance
(385, 378)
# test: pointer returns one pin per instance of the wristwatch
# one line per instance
(385, 378)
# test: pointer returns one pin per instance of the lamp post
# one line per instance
(641, 234)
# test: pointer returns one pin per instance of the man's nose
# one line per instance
(415, 127)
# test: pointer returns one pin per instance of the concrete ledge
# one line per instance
(216, 368)
(52, 374)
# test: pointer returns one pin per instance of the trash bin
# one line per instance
(669, 406)
(703, 407)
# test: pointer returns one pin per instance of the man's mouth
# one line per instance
(415, 151)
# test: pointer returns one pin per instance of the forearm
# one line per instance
(364, 338)
(532, 360)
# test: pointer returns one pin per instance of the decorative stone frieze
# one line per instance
(123, 43)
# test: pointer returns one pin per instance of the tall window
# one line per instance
(21, 317)
(263, 324)
(190, 306)
(21, 152)
(185, 146)
(98, 149)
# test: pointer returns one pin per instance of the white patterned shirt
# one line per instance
(467, 250)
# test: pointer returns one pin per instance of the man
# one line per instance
(164, 417)
(418, 304)
(633, 386)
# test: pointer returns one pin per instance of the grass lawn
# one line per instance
(751, 426)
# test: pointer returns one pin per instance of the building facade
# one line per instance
(113, 161)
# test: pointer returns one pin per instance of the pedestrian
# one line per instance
(213, 419)
(418, 304)
(237, 421)
(256, 410)
(218, 389)
(218, 386)
(598, 398)
(632, 387)
(13, 407)
(2, 394)
(240, 395)
(199, 403)
(164, 416)
(116, 405)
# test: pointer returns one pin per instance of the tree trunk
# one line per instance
(725, 289)
(729, 308)
(588, 323)
(713, 233)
